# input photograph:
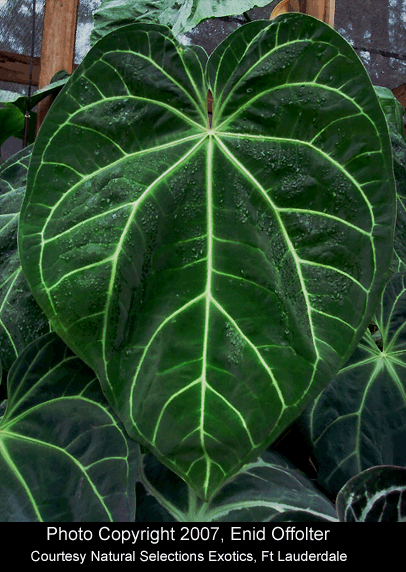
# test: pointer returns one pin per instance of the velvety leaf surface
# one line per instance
(181, 17)
(266, 489)
(377, 494)
(215, 278)
(359, 420)
(21, 319)
(64, 456)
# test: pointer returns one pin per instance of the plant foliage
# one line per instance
(206, 278)
(233, 267)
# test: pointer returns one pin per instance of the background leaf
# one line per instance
(266, 489)
(394, 112)
(63, 454)
(399, 170)
(11, 122)
(20, 101)
(180, 17)
(392, 108)
(375, 495)
(21, 319)
(359, 420)
(12, 114)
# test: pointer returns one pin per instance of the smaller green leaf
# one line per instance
(20, 101)
(11, 122)
(359, 420)
(377, 494)
(7, 96)
(60, 75)
(21, 319)
(181, 17)
(12, 115)
(392, 109)
(263, 490)
(64, 456)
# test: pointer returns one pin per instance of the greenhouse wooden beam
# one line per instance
(16, 68)
(58, 45)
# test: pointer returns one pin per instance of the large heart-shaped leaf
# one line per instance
(215, 277)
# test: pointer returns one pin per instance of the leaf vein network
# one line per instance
(285, 235)
(255, 350)
(164, 72)
(316, 149)
(300, 85)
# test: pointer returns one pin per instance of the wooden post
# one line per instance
(285, 6)
(321, 9)
(58, 45)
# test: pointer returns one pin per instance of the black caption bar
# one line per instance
(258, 543)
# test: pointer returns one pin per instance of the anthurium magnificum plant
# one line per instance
(197, 279)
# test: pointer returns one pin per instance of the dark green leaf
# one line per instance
(60, 75)
(394, 116)
(12, 114)
(216, 279)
